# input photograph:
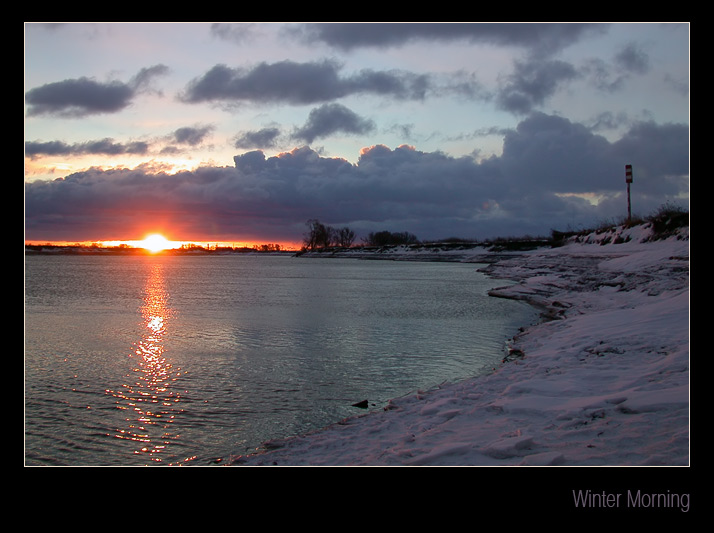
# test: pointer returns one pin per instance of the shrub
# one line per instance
(387, 238)
(667, 220)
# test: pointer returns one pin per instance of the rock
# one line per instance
(514, 353)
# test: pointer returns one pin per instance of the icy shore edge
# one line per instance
(604, 381)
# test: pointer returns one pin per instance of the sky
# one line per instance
(241, 132)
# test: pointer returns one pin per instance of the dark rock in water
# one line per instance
(514, 353)
(362, 405)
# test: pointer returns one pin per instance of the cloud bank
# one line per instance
(548, 169)
(537, 38)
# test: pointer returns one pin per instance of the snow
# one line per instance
(603, 381)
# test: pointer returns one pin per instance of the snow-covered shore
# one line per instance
(604, 382)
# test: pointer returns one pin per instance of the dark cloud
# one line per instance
(631, 60)
(299, 83)
(104, 146)
(659, 153)
(400, 84)
(548, 167)
(84, 96)
(140, 82)
(543, 38)
(262, 138)
(78, 97)
(532, 83)
(332, 118)
(551, 153)
(239, 33)
(192, 135)
(287, 81)
(602, 75)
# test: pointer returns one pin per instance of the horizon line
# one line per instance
(172, 245)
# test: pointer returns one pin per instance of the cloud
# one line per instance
(548, 169)
(191, 135)
(299, 83)
(81, 97)
(140, 82)
(106, 146)
(631, 60)
(262, 138)
(78, 97)
(659, 154)
(536, 79)
(532, 83)
(239, 33)
(332, 118)
(541, 38)
(551, 153)
(680, 86)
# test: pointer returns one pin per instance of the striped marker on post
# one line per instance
(628, 180)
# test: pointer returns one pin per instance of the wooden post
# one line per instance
(628, 180)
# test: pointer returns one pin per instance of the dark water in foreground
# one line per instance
(174, 360)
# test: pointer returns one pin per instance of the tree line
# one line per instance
(321, 236)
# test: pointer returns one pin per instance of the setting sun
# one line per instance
(155, 243)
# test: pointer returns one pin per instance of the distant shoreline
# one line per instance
(427, 251)
(131, 251)
(472, 252)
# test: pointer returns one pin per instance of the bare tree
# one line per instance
(321, 236)
(317, 236)
(345, 237)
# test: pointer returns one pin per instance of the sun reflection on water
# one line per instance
(150, 396)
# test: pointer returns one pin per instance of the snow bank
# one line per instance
(604, 381)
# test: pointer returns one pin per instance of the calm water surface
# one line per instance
(189, 360)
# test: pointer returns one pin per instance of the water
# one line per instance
(191, 360)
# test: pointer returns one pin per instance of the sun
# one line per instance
(155, 243)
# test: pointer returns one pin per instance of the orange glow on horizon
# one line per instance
(167, 244)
